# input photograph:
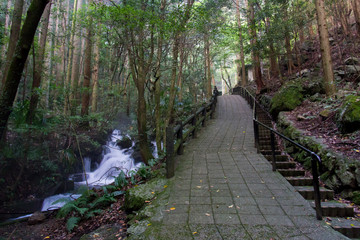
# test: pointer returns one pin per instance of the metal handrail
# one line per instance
(315, 159)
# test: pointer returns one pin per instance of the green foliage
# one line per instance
(348, 117)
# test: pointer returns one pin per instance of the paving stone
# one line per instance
(204, 232)
(281, 220)
(176, 218)
(271, 210)
(228, 218)
(200, 200)
(222, 208)
(201, 218)
(200, 208)
(222, 200)
(230, 232)
(252, 220)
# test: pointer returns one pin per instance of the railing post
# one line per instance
(316, 187)
(194, 121)
(180, 137)
(272, 136)
(204, 115)
(170, 162)
(212, 110)
(256, 135)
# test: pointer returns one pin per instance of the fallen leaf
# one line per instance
(152, 192)
(218, 190)
(47, 237)
(147, 201)
(172, 209)
(231, 206)
(165, 186)
(194, 232)
(328, 223)
(198, 186)
(201, 181)
(149, 224)
(207, 214)
(352, 225)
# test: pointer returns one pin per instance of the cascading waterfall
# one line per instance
(113, 162)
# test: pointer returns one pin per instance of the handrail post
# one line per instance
(194, 121)
(212, 110)
(272, 136)
(204, 115)
(316, 187)
(170, 163)
(256, 135)
(179, 136)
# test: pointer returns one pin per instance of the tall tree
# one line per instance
(14, 36)
(39, 63)
(23, 46)
(241, 44)
(325, 48)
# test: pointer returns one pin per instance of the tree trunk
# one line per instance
(95, 75)
(14, 36)
(207, 66)
(38, 66)
(325, 48)
(158, 130)
(255, 52)
(5, 34)
(181, 64)
(356, 10)
(85, 102)
(242, 57)
(17, 64)
(72, 62)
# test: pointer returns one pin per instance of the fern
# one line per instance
(120, 180)
(66, 209)
(93, 213)
(72, 223)
(103, 201)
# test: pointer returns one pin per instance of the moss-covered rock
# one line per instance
(135, 198)
(348, 118)
(288, 98)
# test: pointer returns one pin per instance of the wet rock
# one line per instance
(348, 117)
(332, 182)
(125, 142)
(36, 218)
(138, 228)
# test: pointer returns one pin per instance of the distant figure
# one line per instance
(215, 92)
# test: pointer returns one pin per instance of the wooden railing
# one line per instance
(177, 135)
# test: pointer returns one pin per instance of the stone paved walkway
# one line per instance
(223, 189)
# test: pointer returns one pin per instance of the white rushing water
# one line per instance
(113, 162)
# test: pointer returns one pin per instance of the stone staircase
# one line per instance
(338, 215)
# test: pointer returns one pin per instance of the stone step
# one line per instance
(335, 209)
(291, 172)
(348, 227)
(278, 158)
(268, 147)
(300, 181)
(284, 165)
(308, 192)
(269, 152)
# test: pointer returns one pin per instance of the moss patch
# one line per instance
(348, 118)
(135, 198)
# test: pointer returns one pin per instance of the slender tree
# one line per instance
(325, 48)
(23, 46)
(14, 36)
(39, 63)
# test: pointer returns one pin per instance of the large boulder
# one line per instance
(288, 98)
(36, 218)
(348, 117)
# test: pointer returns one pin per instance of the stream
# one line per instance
(114, 161)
